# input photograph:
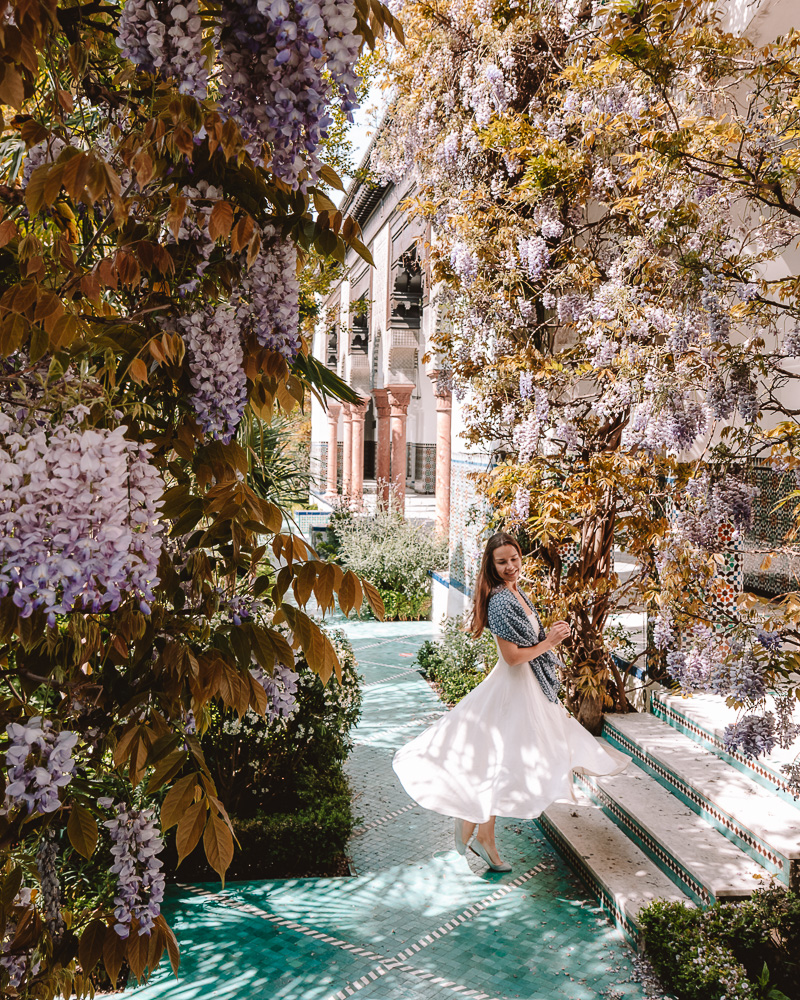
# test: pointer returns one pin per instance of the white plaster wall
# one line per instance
(761, 20)
(379, 312)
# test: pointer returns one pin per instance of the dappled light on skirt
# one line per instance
(504, 750)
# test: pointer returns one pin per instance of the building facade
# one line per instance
(406, 434)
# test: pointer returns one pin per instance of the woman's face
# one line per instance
(507, 563)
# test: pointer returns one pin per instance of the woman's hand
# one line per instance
(559, 631)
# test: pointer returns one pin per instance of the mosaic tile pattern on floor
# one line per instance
(416, 919)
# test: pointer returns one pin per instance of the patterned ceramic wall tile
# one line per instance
(425, 468)
(467, 516)
(771, 525)
(318, 463)
(308, 519)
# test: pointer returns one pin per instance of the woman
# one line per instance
(509, 747)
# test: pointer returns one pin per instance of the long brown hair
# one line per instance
(488, 579)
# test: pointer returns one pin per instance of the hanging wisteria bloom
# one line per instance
(166, 39)
(534, 256)
(140, 883)
(50, 898)
(215, 359)
(711, 505)
(281, 689)
(268, 302)
(752, 736)
(39, 762)
(79, 524)
(273, 55)
(464, 263)
(17, 964)
(520, 509)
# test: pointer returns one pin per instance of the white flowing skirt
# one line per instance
(503, 750)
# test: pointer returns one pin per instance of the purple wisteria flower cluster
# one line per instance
(520, 509)
(241, 607)
(528, 432)
(140, 883)
(534, 256)
(39, 762)
(50, 897)
(166, 39)
(215, 360)
(268, 301)
(79, 524)
(708, 506)
(752, 735)
(464, 262)
(281, 689)
(17, 964)
(274, 54)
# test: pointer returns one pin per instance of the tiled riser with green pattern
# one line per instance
(642, 839)
(773, 862)
(754, 769)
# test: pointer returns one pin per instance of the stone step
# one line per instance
(620, 875)
(756, 820)
(703, 862)
(703, 718)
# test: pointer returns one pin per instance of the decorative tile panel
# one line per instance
(318, 463)
(468, 516)
(771, 525)
(425, 468)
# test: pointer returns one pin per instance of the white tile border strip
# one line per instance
(384, 964)
(360, 830)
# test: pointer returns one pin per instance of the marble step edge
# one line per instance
(783, 862)
(663, 706)
(618, 873)
(629, 800)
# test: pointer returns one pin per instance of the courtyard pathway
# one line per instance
(416, 920)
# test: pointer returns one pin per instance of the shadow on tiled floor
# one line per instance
(416, 920)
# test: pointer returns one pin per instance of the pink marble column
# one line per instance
(347, 450)
(358, 413)
(380, 399)
(444, 413)
(334, 409)
(399, 398)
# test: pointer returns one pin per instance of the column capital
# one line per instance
(359, 410)
(334, 409)
(380, 398)
(347, 412)
(440, 387)
(399, 398)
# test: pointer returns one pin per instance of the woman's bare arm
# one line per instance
(514, 654)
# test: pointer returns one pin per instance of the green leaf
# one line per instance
(361, 250)
(91, 945)
(82, 830)
(329, 175)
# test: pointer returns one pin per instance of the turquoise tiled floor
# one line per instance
(416, 920)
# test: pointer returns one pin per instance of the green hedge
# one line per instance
(283, 783)
(731, 951)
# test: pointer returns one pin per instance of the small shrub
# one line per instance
(736, 951)
(405, 607)
(395, 555)
(457, 662)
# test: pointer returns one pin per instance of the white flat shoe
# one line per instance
(477, 848)
(461, 844)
